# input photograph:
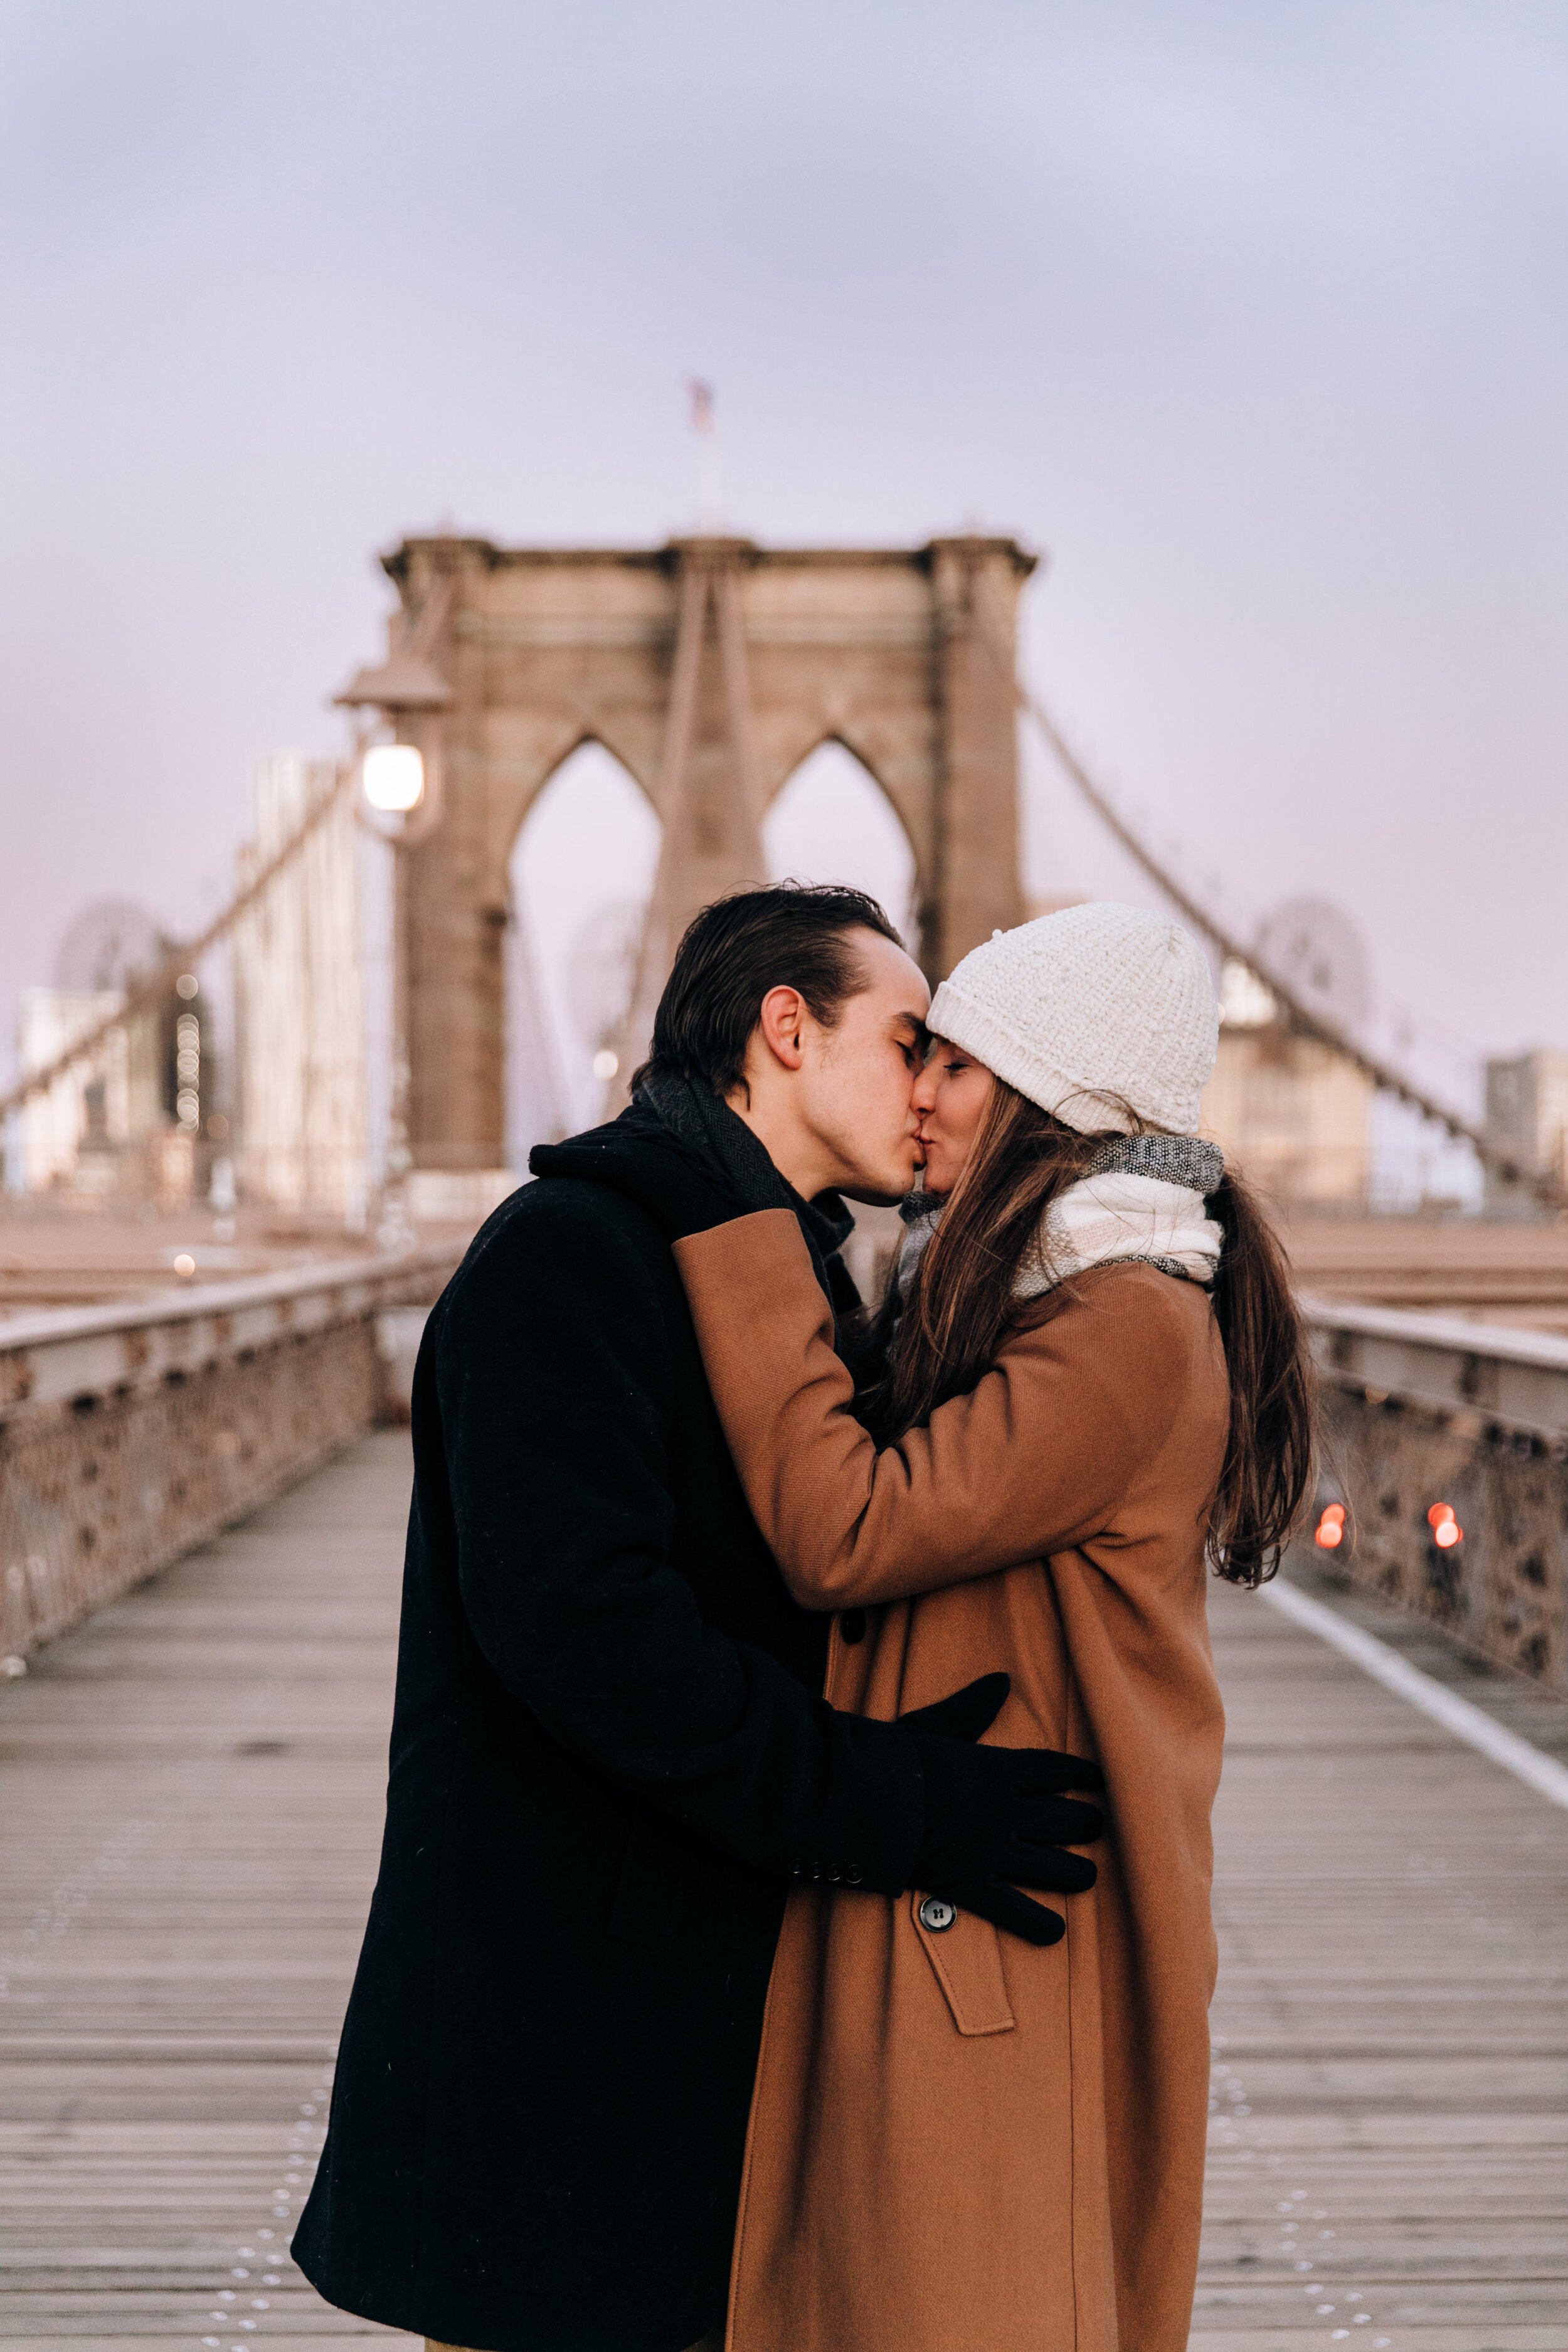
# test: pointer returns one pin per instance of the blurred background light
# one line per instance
(393, 778)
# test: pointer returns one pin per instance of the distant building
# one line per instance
(1527, 1119)
(1292, 1115)
(299, 1008)
(71, 1130)
(105, 1125)
(128, 1116)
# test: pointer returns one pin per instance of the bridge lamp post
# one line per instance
(402, 779)
(399, 797)
(392, 778)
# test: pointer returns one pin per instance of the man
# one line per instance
(609, 1754)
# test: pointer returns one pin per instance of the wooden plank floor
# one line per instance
(191, 1804)
(193, 1787)
(1389, 2155)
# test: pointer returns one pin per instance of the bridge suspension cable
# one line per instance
(146, 993)
(1307, 1023)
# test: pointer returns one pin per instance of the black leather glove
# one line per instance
(995, 1817)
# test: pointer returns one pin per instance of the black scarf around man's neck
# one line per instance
(706, 1125)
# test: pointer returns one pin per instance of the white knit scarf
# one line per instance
(1143, 1199)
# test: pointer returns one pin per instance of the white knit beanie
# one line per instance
(1093, 1013)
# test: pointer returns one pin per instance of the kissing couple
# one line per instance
(766, 1658)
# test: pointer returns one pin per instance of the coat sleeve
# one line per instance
(553, 1379)
(1032, 1461)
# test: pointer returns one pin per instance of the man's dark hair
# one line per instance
(794, 935)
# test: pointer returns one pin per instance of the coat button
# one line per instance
(936, 1913)
(853, 1874)
(852, 1626)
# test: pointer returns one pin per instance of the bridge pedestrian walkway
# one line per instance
(188, 1829)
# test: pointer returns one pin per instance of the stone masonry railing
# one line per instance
(1422, 1411)
(129, 1432)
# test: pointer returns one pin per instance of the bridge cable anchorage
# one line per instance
(145, 996)
(1308, 1023)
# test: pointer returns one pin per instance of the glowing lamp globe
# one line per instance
(392, 777)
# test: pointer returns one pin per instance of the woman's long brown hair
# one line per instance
(961, 1304)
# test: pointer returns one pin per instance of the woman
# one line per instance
(964, 2141)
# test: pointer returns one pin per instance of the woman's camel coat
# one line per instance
(960, 2142)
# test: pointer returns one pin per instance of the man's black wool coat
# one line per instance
(608, 1755)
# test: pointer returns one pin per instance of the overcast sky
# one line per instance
(1255, 318)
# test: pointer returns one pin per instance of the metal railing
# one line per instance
(129, 1432)
(1426, 1413)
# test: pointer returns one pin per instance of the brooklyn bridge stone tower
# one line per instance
(710, 667)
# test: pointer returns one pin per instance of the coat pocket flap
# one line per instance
(967, 1961)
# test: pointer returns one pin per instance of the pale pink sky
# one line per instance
(1256, 318)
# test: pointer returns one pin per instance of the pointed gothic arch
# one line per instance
(579, 873)
(832, 820)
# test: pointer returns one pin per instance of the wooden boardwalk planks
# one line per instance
(1389, 2156)
(192, 1789)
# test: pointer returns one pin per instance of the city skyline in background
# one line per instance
(1247, 325)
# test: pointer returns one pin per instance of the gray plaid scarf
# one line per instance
(1101, 1221)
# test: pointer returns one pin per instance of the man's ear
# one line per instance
(784, 1013)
